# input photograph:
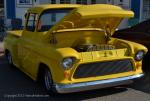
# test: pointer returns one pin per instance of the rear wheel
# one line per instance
(9, 59)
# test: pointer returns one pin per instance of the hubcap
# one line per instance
(47, 80)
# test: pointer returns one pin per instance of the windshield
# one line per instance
(50, 18)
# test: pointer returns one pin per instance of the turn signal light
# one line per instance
(66, 74)
(138, 65)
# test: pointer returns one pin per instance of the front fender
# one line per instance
(134, 47)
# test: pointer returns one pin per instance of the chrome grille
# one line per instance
(103, 68)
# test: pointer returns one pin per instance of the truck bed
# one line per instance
(17, 33)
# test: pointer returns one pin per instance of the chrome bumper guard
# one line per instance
(68, 88)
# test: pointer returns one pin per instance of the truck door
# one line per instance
(26, 52)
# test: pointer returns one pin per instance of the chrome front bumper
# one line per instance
(68, 88)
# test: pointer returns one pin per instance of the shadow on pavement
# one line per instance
(90, 94)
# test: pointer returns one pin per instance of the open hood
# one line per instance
(102, 16)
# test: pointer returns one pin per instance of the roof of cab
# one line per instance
(40, 8)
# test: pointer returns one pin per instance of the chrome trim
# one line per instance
(68, 88)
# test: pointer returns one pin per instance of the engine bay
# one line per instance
(93, 47)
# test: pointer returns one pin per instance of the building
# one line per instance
(1, 3)
(126, 4)
(1, 12)
(141, 9)
(1, 7)
(145, 10)
(15, 9)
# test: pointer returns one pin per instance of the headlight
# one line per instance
(67, 63)
(139, 55)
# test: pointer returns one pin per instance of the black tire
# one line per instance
(9, 59)
(47, 80)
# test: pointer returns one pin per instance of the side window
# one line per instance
(31, 22)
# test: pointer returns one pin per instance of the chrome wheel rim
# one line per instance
(47, 80)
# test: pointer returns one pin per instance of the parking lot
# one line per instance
(16, 86)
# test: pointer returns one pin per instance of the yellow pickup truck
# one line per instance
(69, 47)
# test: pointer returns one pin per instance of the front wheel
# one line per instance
(47, 80)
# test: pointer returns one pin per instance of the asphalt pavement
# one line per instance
(16, 86)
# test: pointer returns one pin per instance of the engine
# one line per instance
(93, 47)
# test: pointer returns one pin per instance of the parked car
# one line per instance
(69, 48)
(139, 33)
